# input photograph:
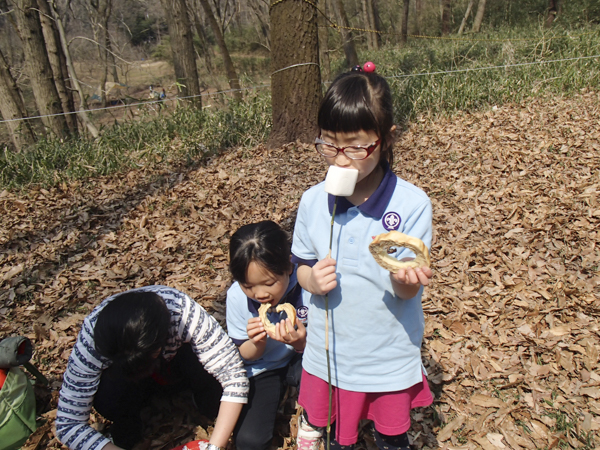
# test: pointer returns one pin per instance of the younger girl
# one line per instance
(260, 262)
(375, 318)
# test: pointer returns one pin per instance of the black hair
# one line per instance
(264, 242)
(130, 330)
(358, 101)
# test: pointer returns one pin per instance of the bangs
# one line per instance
(346, 107)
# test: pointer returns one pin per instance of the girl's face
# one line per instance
(264, 286)
(363, 138)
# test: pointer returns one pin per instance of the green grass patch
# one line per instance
(187, 135)
(468, 82)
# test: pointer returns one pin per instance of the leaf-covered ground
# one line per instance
(512, 317)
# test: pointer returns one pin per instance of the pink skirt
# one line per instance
(389, 411)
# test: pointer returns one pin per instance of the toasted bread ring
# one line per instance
(381, 243)
(269, 326)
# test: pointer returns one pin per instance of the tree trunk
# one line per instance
(295, 91)
(347, 40)
(376, 21)
(234, 81)
(367, 24)
(105, 45)
(99, 12)
(111, 58)
(446, 16)
(479, 16)
(405, 21)
(12, 108)
(418, 13)
(467, 13)
(82, 114)
(182, 46)
(58, 64)
(204, 47)
(324, 41)
(373, 24)
(39, 69)
(553, 12)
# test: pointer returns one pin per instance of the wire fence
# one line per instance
(266, 85)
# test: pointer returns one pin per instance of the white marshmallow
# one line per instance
(340, 181)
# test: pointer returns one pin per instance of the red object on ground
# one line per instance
(369, 67)
(3, 373)
(193, 445)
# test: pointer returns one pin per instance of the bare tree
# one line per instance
(39, 69)
(204, 45)
(99, 13)
(479, 16)
(446, 16)
(405, 21)
(58, 63)
(234, 81)
(467, 13)
(260, 9)
(418, 14)
(82, 111)
(182, 46)
(296, 79)
(369, 21)
(348, 42)
(13, 109)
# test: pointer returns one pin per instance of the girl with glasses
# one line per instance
(376, 320)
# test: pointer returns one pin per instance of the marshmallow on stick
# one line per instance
(340, 181)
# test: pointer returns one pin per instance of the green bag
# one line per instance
(17, 410)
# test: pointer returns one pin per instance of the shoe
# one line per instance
(308, 438)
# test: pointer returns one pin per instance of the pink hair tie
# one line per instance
(369, 67)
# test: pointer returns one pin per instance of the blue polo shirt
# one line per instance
(241, 308)
(374, 336)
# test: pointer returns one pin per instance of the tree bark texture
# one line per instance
(295, 91)
(446, 15)
(12, 107)
(467, 13)
(39, 69)
(376, 21)
(479, 16)
(111, 58)
(405, 21)
(58, 63)
(234, 81)
(184, 57)
(104, 10)
(324, 40)
(81, 113)
(373, 24)
(347, 40)
(419, 13)
(369, 21)
(204, 46)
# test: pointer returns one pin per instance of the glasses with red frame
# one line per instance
(352, 151)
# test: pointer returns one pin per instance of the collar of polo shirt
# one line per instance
(376, 204)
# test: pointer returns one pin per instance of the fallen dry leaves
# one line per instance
(512, 331)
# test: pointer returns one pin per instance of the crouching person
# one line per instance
(140, 342)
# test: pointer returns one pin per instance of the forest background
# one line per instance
(111, 62)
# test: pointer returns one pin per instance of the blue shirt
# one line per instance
(374, 336)
(241, 308)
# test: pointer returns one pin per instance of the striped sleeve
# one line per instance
(79, 387)
(213, 347)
